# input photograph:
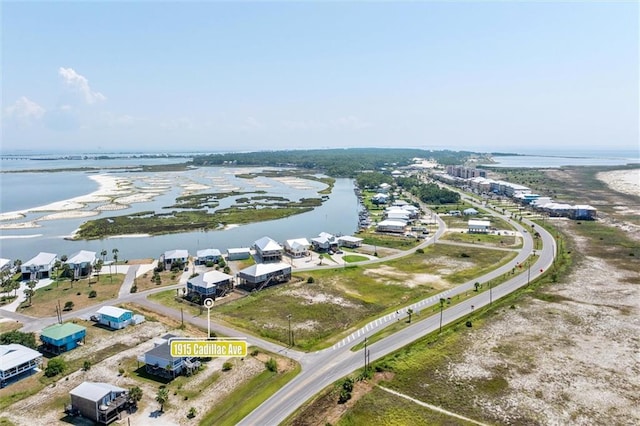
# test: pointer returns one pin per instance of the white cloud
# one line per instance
(25, 110)
(81, 84)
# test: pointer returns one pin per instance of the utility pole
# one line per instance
(290, 336)
(441, 307)
(490, 293)
(365, 356)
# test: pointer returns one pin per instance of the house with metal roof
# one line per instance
(169, 258)
(478, 226)
(349, 241)
(388, 225)
(261, 275)
(114, 317)
(5, 265)
(210, 284)
(16, 362)
(158, 360)
(39, 267)
(81, 263)
(208, 256)
(268, 250)
(297, 247)
(238, 253)
(98, 401)
(59, 338)
(324, 242)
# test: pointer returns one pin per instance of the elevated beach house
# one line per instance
(261, 275)
(39, 267)
(211, 284)
(349, 241)
(207, 256)
(325, 242)
(158, 360)
(239, 253)
(81, 263)
(99, 402)
(297, 247)
(114, 317)
(172, 258)
(17, 361)
(268, 250)
(59, 338)
(476, 226)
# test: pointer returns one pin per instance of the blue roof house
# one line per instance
(62, 337)
(114, 317)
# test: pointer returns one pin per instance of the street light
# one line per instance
(441, 306)
(290, 337)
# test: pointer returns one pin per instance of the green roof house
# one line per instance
(62, 337)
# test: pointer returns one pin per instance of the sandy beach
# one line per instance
(625, 181)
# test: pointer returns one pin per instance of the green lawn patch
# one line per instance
(351, 258)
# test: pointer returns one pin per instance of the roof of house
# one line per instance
(209, 279)
(60, 331)
(392, 223)
(475, 222)
(83, 256)
(112, 311)
(94, 391)
(241, 250)
(267, 244)
(350, 239)
(208, 252)
(470, 210)
(265, 268)
(162, 350)
(42, 258)
(14, 354)
(297, 243)
(4, 263)
(176, 254)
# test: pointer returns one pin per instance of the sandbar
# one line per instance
(625, 181)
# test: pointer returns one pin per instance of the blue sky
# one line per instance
(224, 76)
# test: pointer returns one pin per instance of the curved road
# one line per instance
(322, 368)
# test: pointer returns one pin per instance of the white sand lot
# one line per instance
(626, 181)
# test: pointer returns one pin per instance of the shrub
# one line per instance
(134, 289)
(68, 305)
(86, 365)
(93, 294)
(192, 412)
(421, 251)
(55, 366)
(271, 365)
(344, 396)
(255, 352)
(310, 280)
(227, 366)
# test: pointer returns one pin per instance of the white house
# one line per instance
(297, 247)
(81, 263)
(324, 242)
(17, 360)
(238, 253)
(5, 265)
(268, 250)
(39, 267)
(208, 255)
(175, 256)
(479, 226)
(349, 241)
(391, 226)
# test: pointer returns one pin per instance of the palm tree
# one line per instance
(135, 395)
(98, 267)
(103, 253)
(114, 252)
(476, 285)
(29, 291)
(162, 397)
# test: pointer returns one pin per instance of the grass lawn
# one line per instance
(10, 325)
(509, 241)
(343, 298)
(146, 282)
(247, 397)
(45, 300)
(384, 240)
(351, 258)
(168, 298)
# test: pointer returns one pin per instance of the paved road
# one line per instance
(322, 368)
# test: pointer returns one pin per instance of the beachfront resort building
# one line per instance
(39, 267)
